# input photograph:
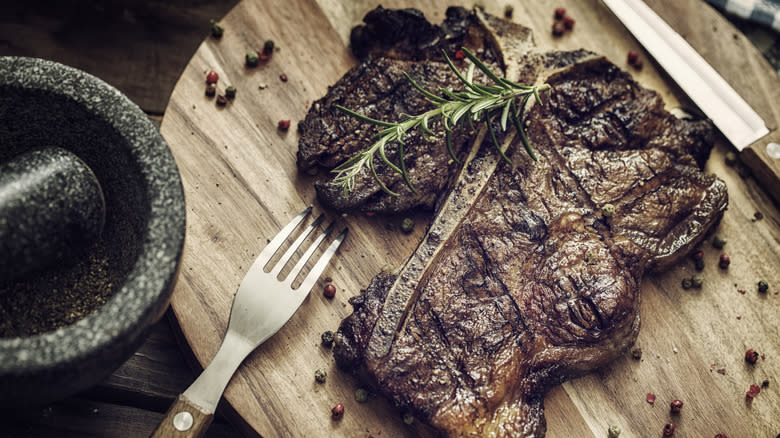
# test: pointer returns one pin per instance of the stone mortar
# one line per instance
(43, 103)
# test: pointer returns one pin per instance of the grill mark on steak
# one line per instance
(520, 281)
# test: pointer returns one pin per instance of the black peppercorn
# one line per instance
(327, 338)
(763, 286)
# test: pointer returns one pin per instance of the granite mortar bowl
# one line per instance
(43, 103)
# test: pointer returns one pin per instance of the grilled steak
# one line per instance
(522, 281)
(393, 42)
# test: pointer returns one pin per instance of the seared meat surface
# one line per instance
(393, 42)
(522, 281)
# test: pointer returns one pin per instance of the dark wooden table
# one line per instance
(140, 47)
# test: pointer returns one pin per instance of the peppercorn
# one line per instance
(751, 356)
(559, 13)
(361, 395)
(212, 77)
(763, 286)
(216, 29)
(613, 431)
(753, 391)
(329, 291)
(251, 59)
(283, 125)
(669, 429)
(327, 338)
(650, 398)
(211, 90)
(268, 47)
(558, 28)
(719, 242)
(724, 261)
(721, 435)
(230, 92)
(568, 22)
(636, 353)
(730, 158)
(765, 383)
(608, 210)
(697, 282)
(633, 57)
(283, 77)
(698, 264)
(408, 418)
(509, 10)
(676, 406)
(687, 283)
(320, 375)
(221, 100)
(407, 225)
(638, 64)
(337, 412)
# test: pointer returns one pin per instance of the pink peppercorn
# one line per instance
(284, 125)
(724, 261)
(337, 412)
(329, 291)
(751, 356)
(669, 429)
(676, 406)
(212, 77)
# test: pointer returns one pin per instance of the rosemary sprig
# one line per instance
(477, 102)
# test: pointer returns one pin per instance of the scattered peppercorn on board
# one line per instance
(237, 162)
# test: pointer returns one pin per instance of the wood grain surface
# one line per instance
(241, 186)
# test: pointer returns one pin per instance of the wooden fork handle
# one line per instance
(183, 420)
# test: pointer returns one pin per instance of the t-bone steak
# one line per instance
(522, 280)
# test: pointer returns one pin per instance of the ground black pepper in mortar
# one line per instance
(62, 295)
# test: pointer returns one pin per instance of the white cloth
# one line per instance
(765, 12)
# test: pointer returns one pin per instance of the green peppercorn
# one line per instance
(361, 395)
(719, 242)
(230, 92)
(216, 29)
(608, 210)
(697, 282)
(763, 286)
(408, 418)
(327, 338)
(407, 225)
(252, 59)
(687, 283)
(320, 375)
(613, 431)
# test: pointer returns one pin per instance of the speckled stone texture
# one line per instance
(45, 103)
(51, 209)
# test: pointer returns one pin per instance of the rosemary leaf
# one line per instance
(476, 101)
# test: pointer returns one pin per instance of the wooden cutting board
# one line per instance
(241, 186)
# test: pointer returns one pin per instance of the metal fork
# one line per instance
(261, 306)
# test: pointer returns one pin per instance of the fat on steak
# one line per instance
(521, 280)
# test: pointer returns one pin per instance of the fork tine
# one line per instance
(280, 238)
(307, 255)
(294, 247)
(318, 267)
